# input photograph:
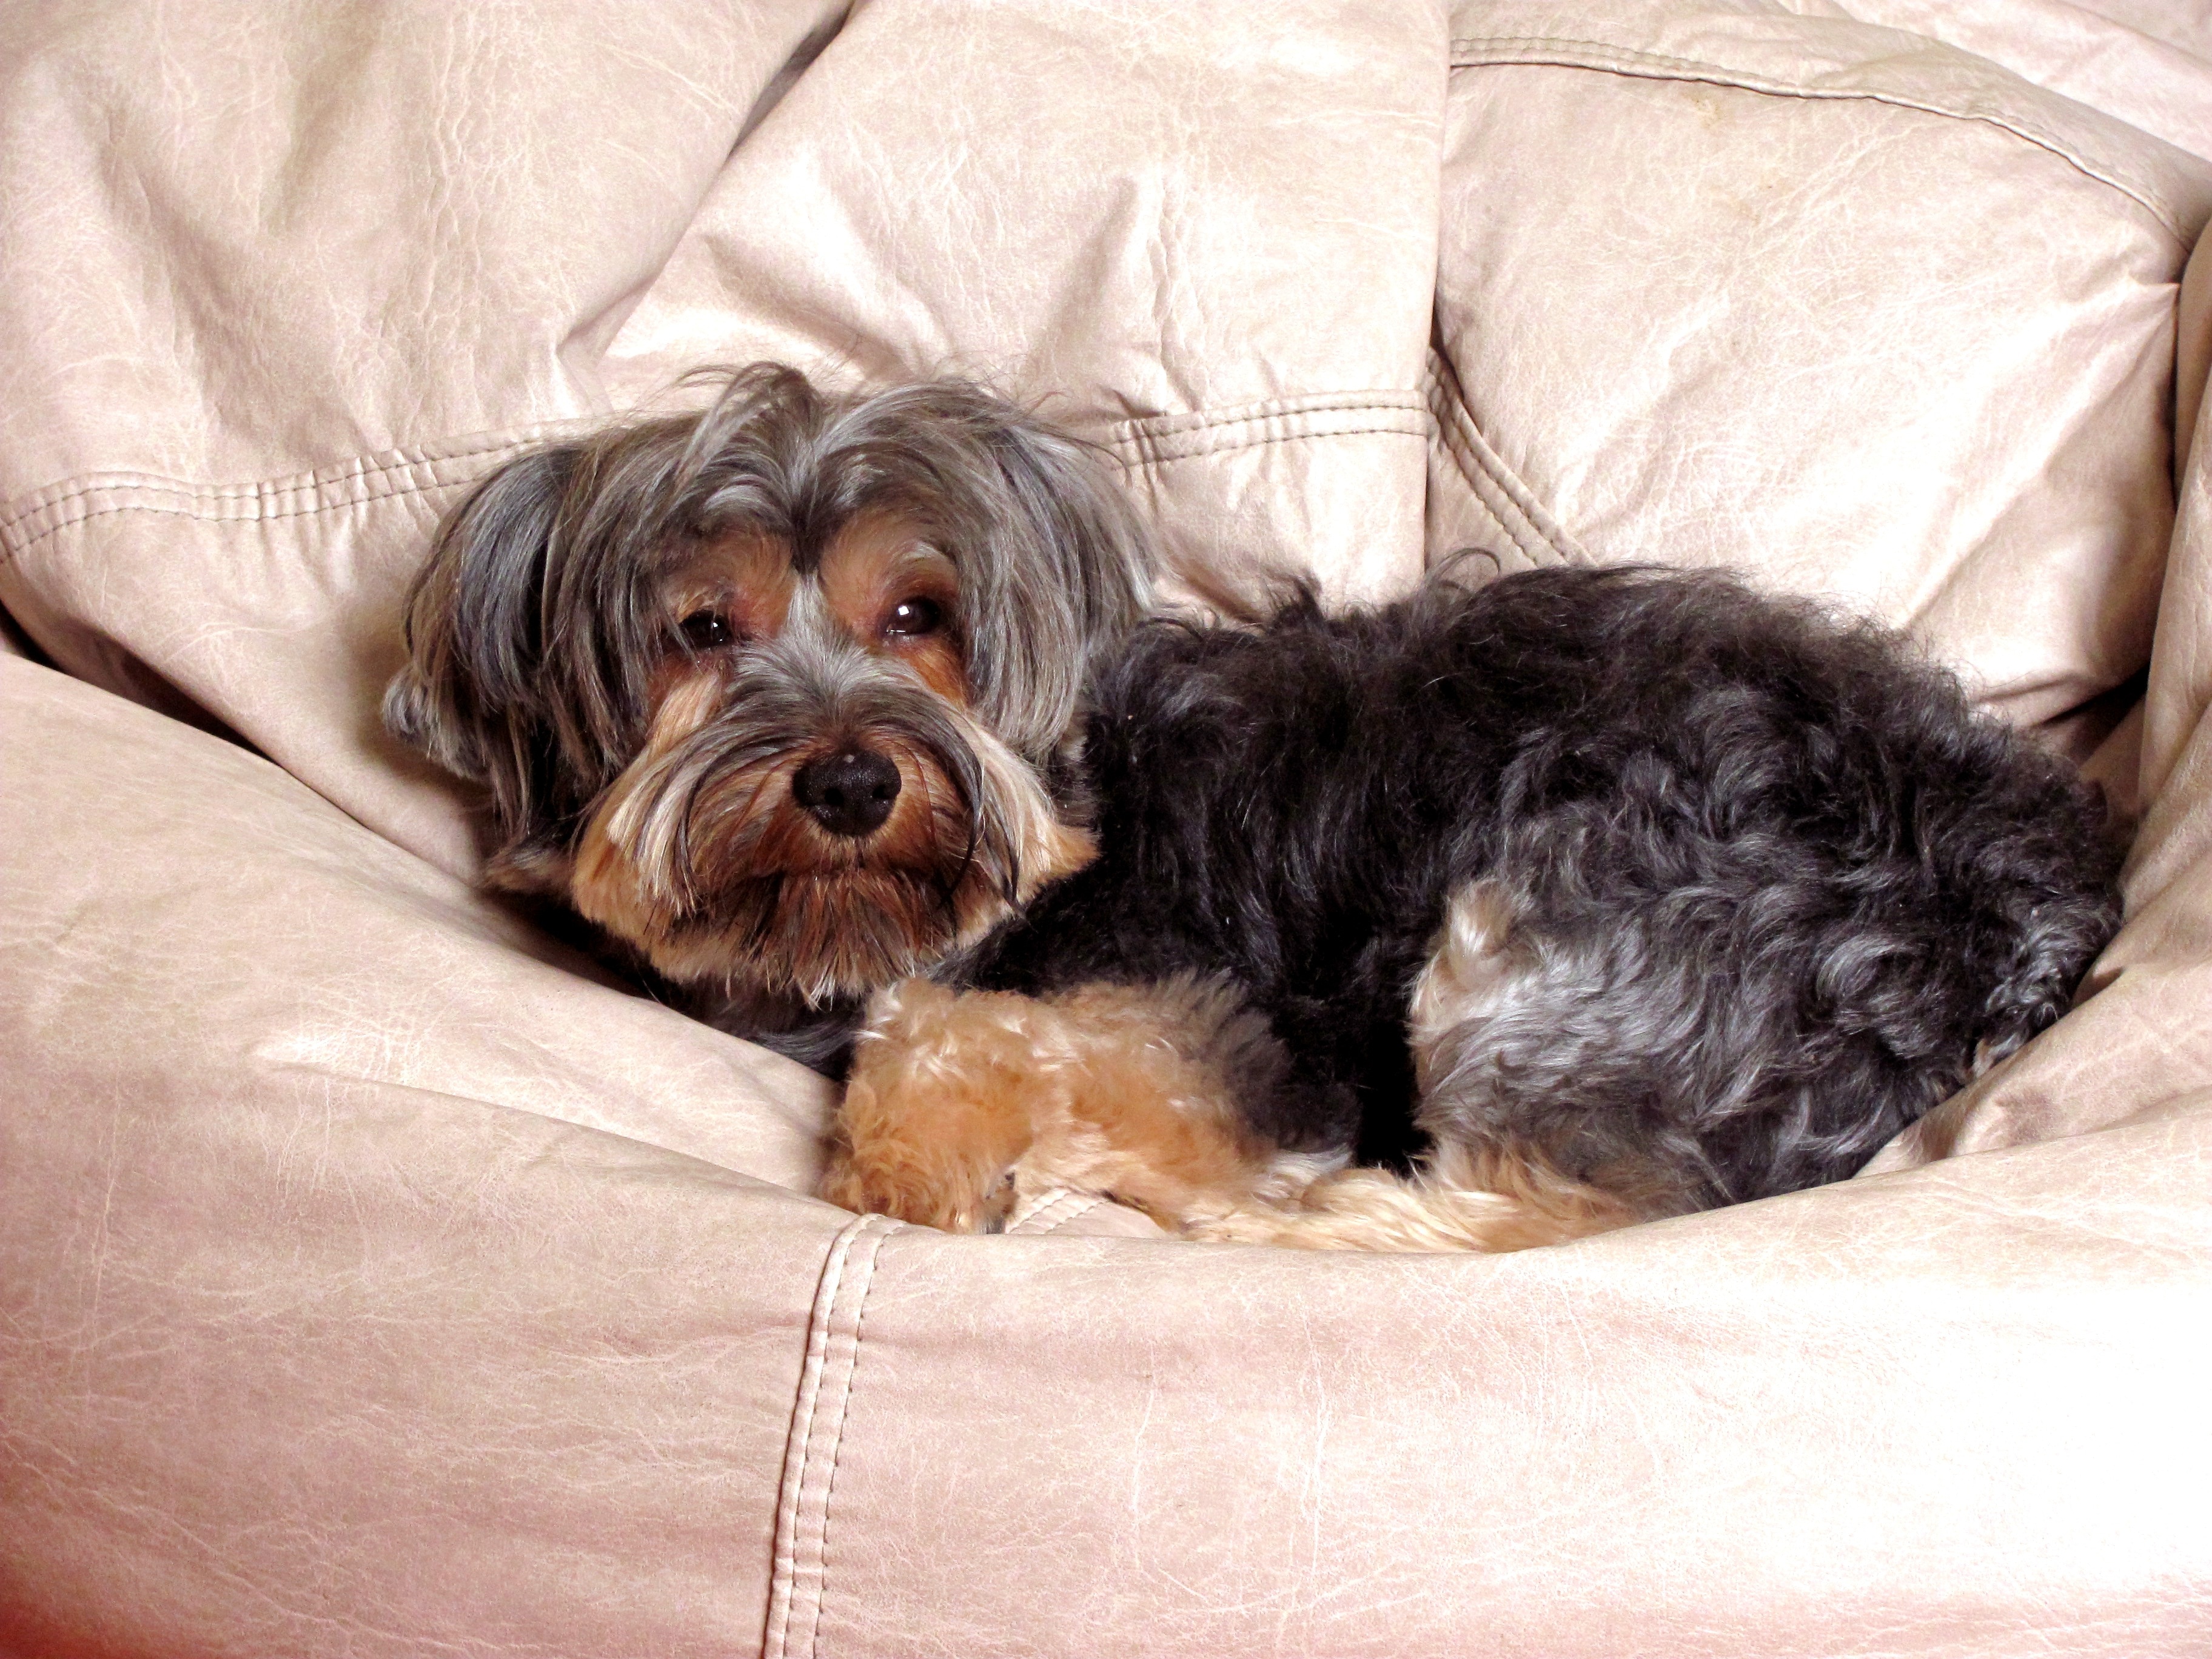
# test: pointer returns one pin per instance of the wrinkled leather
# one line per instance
(377, 1276)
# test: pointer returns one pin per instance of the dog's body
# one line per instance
(1692, 894)
(1486, 919)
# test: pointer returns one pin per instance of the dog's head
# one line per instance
(779, 693)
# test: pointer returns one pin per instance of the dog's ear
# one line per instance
(1072, 573)
(472, 695)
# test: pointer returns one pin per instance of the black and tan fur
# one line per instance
(1486, 919)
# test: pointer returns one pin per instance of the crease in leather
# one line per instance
(1538, 535)
(276, 1063)
(1480, 52)
(817, 1431)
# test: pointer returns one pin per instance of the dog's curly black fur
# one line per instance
(1774, 889)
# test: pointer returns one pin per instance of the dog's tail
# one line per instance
(1485, 1202)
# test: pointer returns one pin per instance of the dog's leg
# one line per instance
(959, 1101)
(937, 1108)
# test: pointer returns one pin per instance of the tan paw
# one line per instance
(945, 1195)
(936, 1111)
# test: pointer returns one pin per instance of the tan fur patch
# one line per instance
(610, 883)
(938, 1109)
(744, 578)
(1049, 847)
(963, 1104)
(960, 1103)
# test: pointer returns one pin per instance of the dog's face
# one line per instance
(779, 693)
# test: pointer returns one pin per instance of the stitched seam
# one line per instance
(1570, 53)
(360, 467)
(1491, 480)
(12, 547)
(1479, 485)
(1035, 1220)
(837, 1438)
(349, 484)
(1146, 453)
(25, 546)
(1076, 1211)
(1482, 491)
(1273, 408)
(1165, 458)
(818, 1342)
(355, 483)
(1072, 1206)
(49, 496)
(803, 1471)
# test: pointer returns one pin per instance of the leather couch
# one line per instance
(377, 1275)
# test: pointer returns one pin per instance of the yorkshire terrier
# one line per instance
(1497, 917)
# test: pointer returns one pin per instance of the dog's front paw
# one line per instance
(938, 1109)
(950, 1197)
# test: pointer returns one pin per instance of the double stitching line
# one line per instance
(1540, 537)
(349, 484)
(1150, 441)
(818, 1435)
(1056, 1213)
(1156, 440)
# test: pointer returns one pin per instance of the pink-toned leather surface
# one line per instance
(373, 1280)
(1867, 1422)
(376, 1277)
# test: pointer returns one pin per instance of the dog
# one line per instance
(1495, 917)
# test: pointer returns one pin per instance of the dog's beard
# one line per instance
(701, 856)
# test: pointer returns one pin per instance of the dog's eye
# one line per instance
(911, 618)
(705, 629)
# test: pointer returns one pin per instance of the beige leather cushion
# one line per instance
(1152, 223)
(2144, 61)
(280, 282)
(370, 1276)
(2143, 1040)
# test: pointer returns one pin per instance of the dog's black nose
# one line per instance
(849, 792)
